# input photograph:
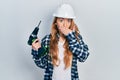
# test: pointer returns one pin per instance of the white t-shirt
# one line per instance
(59, 72)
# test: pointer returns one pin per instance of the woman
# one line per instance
(59, 51)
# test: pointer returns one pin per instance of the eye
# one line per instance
(69, 20)
(61, 20)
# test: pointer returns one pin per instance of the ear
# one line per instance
(55, 23)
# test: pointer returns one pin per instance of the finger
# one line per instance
(36, 40)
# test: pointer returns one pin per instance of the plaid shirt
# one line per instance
(78, 48)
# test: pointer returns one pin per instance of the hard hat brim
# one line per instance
(61, 16)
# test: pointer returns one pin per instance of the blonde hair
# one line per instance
(54, 45)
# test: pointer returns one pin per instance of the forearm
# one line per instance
(77, 46)
(39, 58)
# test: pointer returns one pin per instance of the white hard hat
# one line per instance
(64, 11)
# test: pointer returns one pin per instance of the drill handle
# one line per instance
(33, 35)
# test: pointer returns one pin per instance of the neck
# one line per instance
(61, 38)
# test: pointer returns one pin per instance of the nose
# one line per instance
(65, 23)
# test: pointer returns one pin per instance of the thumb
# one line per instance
(36, 40)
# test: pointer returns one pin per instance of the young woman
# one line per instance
(59, 51)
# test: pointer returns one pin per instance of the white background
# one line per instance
(99, 24)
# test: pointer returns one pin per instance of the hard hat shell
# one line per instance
(64, 11)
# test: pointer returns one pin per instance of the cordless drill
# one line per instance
(33, 35)
(41, 51)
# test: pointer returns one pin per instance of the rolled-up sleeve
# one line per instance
(40, 57)
(77, 46)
